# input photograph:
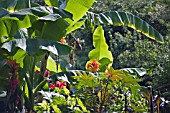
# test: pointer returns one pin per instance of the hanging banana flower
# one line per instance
(75, 43)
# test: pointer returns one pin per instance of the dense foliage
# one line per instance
(37, 37)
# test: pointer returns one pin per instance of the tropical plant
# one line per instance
(31, 50)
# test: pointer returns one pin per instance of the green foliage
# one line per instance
(31, 32)
(39, 47)
(52, 3)
(14, 5)
(86, 80)
(101, 52)
(125, 19)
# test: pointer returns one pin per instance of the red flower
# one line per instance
(64, 83)
(93, 66)
(52, 86)
(60, 84)
(37, 72)
(47, 73)
(15, 83)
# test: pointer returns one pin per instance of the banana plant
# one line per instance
(29, 35)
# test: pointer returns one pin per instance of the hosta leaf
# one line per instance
(125, 19)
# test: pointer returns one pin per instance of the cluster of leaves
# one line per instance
(30, 35)
(135, 50)
(58, 100)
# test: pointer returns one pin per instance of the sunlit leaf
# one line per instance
(138, 71)
(86, 79)
(101, 48)
(114, 74)
(36, 46)
(125, 19)
(78, 8)
(52, 2)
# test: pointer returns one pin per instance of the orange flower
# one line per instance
(63, 40)
(93, 66)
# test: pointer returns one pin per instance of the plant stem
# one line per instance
(40, 85)
(126, 111)
(32, 82)
(104, 95)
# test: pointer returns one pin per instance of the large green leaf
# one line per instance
(9, 26)
(19, 57)
(22, 19)
(125, 19)
(14, 5)
(75, 26)
(49, 22)
(78, 8)
(36, 46)
(51, 65)
(52, 30)
(101, 52)
(52, 3)
(3, 12)
(135, 71)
